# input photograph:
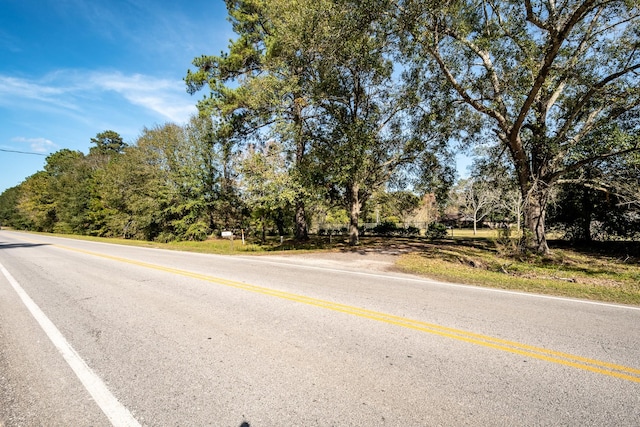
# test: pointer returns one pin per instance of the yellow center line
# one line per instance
(566, 359)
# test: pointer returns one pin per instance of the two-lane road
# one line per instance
(98, 334)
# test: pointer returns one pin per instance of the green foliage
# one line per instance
(37, 204)
(544, 80)
(257, 88)
(10, 214)
(385, 229)
(107, 143)
(394, 206)
(506, 244)
(601, 200)
(340, 106)
(336, 216)
(388, 228)
(318, 75)
(436, 231)
(268, 188)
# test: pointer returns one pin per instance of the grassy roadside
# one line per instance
(604, 272)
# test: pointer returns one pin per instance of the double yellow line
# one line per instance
(586, 364)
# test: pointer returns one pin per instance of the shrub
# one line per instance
(166, 237)
(436, 230)
(412, 231)
(385, 229)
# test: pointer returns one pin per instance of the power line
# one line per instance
(22, 152)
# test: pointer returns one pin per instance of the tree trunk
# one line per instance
(535, 209)
(302, 231)
(535, 194)
(585, 217)
(279, 220)
(354, 213)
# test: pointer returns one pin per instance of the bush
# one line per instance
(412, 231)
(166, 237)
(505, 243)
(385, 229)
(436, 230)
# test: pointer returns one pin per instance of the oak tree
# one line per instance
(542, 76)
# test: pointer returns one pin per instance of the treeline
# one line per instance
(330, 102)
(177, 183)
(171, 184)
(181, 183)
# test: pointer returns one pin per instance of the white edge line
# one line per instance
(112, 408)
(453, 285)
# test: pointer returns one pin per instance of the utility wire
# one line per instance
(22, 152)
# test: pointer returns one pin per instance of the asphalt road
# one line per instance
(93, 334)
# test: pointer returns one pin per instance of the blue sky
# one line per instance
(70, 69)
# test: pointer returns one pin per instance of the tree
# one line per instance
(216, 171)
(600, 202)
(267, 187)
(494, 172)
(371, 122)
(134, 193)
(318, 76)
(57, 198)
(36, 203)
(70, 181)
(259, 84)
(477, 199)
(427, 211)
(511, 203)
(396, 206)
(107, 143)
(543, 78)
(107, 147)
(185, 166)
(10, 215)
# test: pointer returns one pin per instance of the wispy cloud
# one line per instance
(37, 145)
(163, 96)
(14, 89)
(70, 89)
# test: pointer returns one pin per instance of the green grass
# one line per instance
(468, 232)
(566, 272)
(603, 271)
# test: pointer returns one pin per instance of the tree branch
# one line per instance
(488, 65)
(577, 165)
(557, 39)
(531, 17)
(502, 122)
(577, 110)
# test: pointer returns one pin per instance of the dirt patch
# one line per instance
(370, 260)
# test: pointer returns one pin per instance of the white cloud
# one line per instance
(69, 90)
(13, 90)
(37, 145)
(163, 96)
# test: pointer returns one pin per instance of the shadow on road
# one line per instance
(4, 245)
